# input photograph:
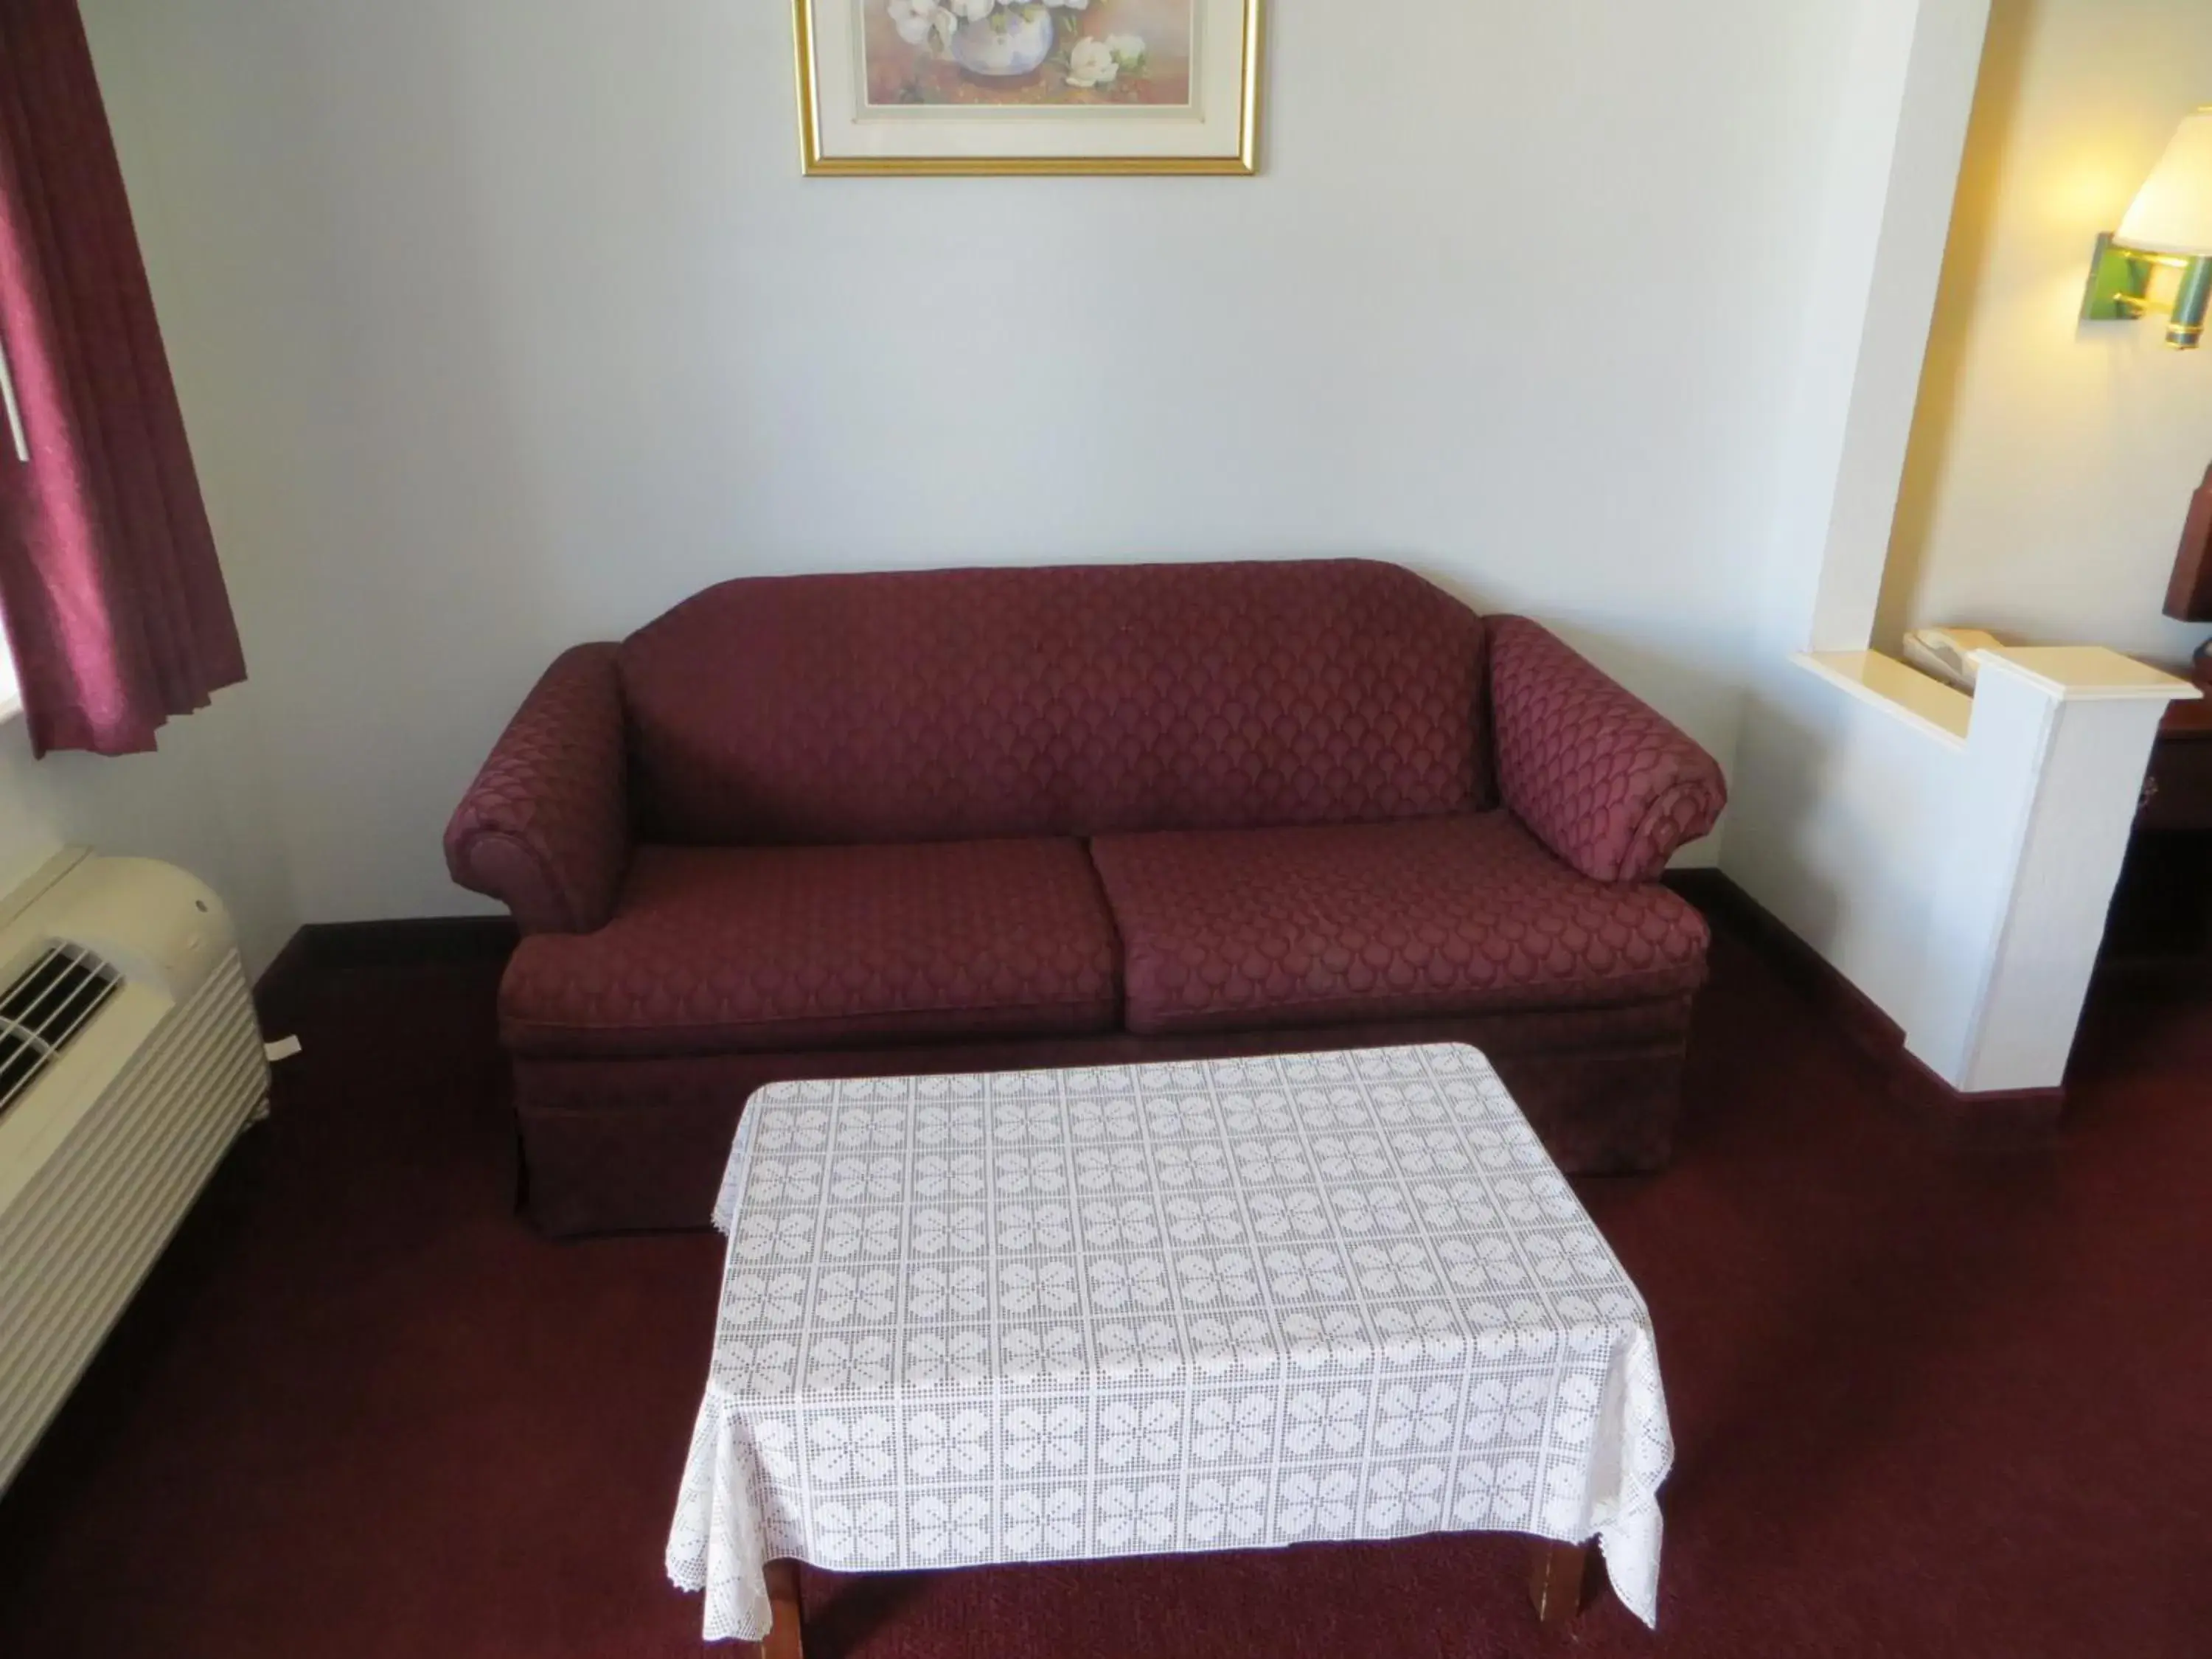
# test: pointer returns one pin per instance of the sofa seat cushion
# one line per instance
(1260, 928)
(715, 951)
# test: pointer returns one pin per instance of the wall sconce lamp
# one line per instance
(2170, 226)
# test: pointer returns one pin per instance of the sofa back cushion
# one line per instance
(960, 704)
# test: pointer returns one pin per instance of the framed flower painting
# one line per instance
(1028, 86)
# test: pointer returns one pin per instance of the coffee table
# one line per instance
(1229, 1304)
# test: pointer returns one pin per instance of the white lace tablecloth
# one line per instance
(1046, 1315)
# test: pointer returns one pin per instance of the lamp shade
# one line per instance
(2174, 214)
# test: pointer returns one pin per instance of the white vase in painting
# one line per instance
(1006, 43)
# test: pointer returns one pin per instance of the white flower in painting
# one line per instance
(1129, 50)
(1090, 64)
(1069, 5)
(973, 11)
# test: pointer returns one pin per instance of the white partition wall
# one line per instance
(2047, 791)
(1954, 858)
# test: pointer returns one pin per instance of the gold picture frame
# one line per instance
(819, 160)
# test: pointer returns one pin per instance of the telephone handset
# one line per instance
(1947, 653)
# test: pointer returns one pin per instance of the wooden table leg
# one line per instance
(1559, 1583)
(785, 1639)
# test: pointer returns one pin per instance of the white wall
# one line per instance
(506, 324)
(2053, 461)
(1963, 892)
(1842, 823)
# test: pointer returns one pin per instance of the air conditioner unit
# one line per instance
(129, 1060)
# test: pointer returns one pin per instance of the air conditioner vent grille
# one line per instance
(44, 1009)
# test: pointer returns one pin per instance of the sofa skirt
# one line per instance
(639, 1146)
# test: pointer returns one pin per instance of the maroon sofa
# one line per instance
(982, 819)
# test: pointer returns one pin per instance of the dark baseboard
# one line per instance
(281, 994)
(423, 939)
(320, 946)
(2007, 1116)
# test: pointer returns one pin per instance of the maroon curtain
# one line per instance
(114, 602)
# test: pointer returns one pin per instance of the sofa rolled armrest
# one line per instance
(545, 827)
(1605, 781)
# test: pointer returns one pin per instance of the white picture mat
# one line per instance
(1211, 127)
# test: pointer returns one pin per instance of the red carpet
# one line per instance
(1928, 1402)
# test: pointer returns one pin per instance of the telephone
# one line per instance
(1947, 653)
